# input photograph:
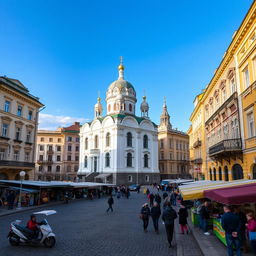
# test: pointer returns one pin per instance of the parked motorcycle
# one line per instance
(22, 235)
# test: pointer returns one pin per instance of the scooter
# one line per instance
(22, 235)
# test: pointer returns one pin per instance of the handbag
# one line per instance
(252, 235)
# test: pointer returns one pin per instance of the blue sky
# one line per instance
(66, 51)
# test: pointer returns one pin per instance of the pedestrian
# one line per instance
(183, 214)
(168, 217)
(173, 199)
(155, 214)
(10, 200)
(138, 189)
(251, 229)
(205, 215)
(144, 215)
(165, 195)
(158, 199)
(231, 224)
(110, 204)
(151, 199)
(118, 194)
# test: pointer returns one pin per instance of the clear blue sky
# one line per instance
(66, 51)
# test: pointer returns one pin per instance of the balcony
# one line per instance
(16, 164)
(48, 162)
(198, 143)
(50, 152)
(226, 148)
(18, 141)
(198, 161)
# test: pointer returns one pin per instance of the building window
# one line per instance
(69, 147)
(147, 178)
(210, 174)
(19, 110)
(161, 143)
(5, 130)
(58, 158)
(58, 148)
(145, 141)
(85, 162)
(107, 160)
(18, 133)
(42, 139)
(170, 156)
(16, 155)
(76, 168)
(41, 157)
(129, 139)
(250, 125)
(146, 161)
(223, 94)
(108, 139)
(2, 154)
(77, 148)
(50, 147)
(49, 158)
(27, 156)
(76, 158)
(129, 178)
(130, 107)
(246, 77)
(40, 168)
(69, 139)
(129, 160)
(50, 139)
(68, 168)
(96, 141)
(170, 143)
(30, 114)
(69, 157)
(86, 143)
(77, 139)
(58, 168)
(220, 173)
(41, 147)
(162, 155)
(7, 106)
(49, 168)
(109, 108)
(232, 85)
(59, 140)
(28, 136)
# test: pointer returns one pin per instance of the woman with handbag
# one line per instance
(251, 229)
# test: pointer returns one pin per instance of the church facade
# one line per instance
(120, 147)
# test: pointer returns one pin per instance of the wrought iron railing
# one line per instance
(226, 146)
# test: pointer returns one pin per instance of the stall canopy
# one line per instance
(193, 191)
(233, 195)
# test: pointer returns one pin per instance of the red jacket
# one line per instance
(32, 225)
(251, 225)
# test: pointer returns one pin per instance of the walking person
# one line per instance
(10, 200)
(231, 224)
(151, 199)
(251, 229)
(158, 199)
(183, 214)
(204, 216)
(168, 217)
(110, 204)
(144, 215)
(155, 214)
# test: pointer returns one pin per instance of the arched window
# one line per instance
(130, 107)
(146, 161)
(109, 108)
(226, 173)
(237, 172)
(129, 160)
(86, 143)
(145, 141)
(85, 162)
(254, 171)
(115, 107)
(214, 174)
(96, 141)
(107, 160)
(220, 173)
(58, 168)
(210, 174)
(129, 139)
(108, 139)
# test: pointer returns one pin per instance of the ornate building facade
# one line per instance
(119, 148)
(173, 146)
(18, 123)
(58, 153)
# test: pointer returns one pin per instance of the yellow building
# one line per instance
(228, 110)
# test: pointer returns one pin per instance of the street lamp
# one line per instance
(22, 174)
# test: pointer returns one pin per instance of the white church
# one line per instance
(120, 147)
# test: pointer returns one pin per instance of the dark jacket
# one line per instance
(183, 214)
(145, 212)
(169, 215)
(158, 199)
(165, 195)
(155, 212)
(230, 222)
(204, 212)
(110, 201)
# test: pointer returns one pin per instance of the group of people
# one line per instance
(153, 210)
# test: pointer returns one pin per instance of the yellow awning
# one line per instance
(196, 192)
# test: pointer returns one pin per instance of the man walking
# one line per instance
(231, 224)
(155, 214)
(168, 217)
(144, 215)
(110, 203)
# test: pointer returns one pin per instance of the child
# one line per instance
(183, 214)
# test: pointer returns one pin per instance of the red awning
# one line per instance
(233, 195)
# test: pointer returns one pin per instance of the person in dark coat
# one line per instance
(144, 215)
(155, 214)
(10, 200)
(183, 214)
(168, 217)
(151, 199)
(110, 204)
(158, 199)
(165, 195)
(205, 215)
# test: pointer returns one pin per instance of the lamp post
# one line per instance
(22, 174)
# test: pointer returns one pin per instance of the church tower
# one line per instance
(165, 118)
(98, 109)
